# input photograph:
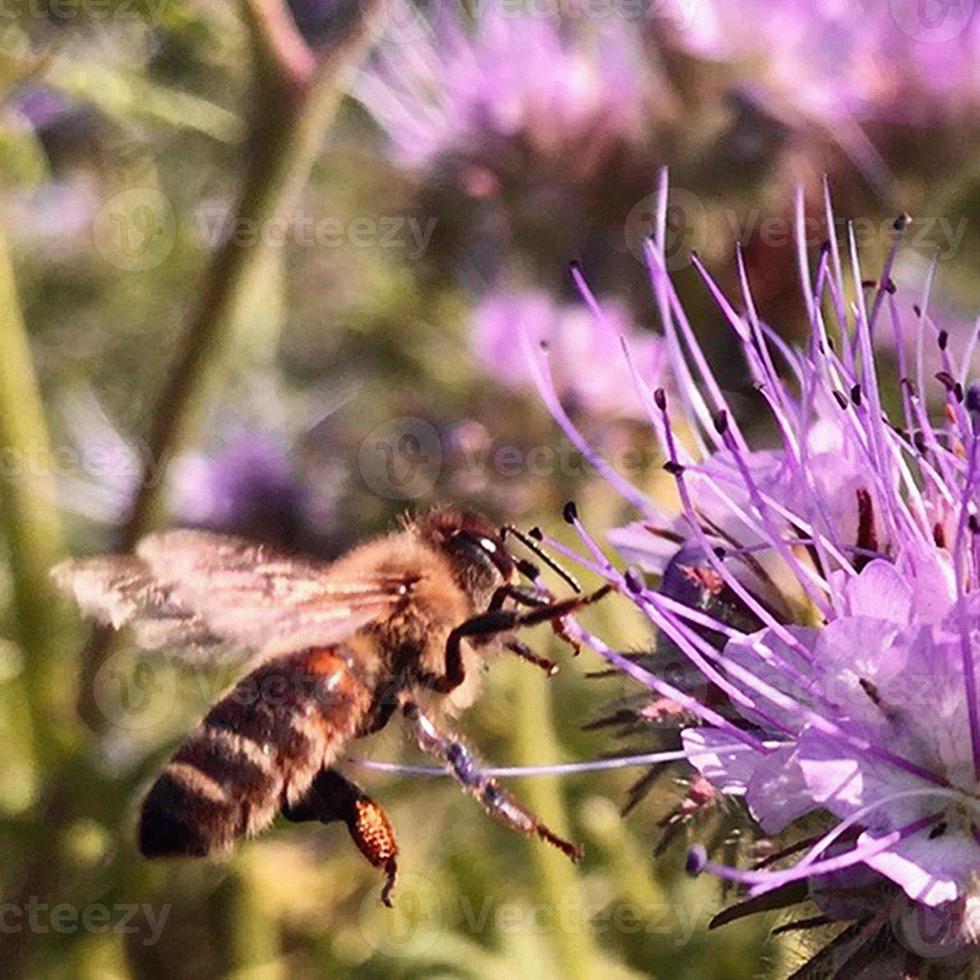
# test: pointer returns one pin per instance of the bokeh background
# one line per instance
(266, 268)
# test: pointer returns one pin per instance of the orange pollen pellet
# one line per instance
(373, 833)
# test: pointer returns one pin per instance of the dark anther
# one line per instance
(938, 830)
(574, 265)
(840, 398)
(889, 287)
(528, 569)
(570, 512)
(902, 221)
(634, 581)
(946, 380)
(916, 309)
(943, 339)
(871, 690)
(939, 535)
(674, 469)
(660, 399)
(721, 422)
(697, 858)
(536, 533)
(867, 536)
(919, 439)
(973, 522)
(856, 394)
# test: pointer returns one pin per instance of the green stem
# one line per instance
(296, 99)
(557, 879)
(296, 92)
(30, 516)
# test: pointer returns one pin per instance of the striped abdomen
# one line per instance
(257, 749)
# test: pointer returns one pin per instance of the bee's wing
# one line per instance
(118, 591)
(206, 593)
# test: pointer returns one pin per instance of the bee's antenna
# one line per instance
(532, 545)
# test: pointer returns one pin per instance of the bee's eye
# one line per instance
(483, 550)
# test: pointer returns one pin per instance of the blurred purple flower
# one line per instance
(248, 486)
(830, 609)
(906, 61)
(39, 106)
(507, 81)
(575, 337)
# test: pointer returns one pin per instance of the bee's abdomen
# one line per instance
(257, 748)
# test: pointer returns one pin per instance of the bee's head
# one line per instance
(474, 547)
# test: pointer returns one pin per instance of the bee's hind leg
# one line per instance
(331, 797)
(464, 767)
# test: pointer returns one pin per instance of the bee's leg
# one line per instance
(464, 767)
(529, 656)
(501, 621)
(332, 797)
(520, 595)
(525, 598)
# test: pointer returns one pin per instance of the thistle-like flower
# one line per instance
(823, 595)
(508, 86)
(902, 61)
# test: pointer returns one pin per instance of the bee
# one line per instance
(333, 650)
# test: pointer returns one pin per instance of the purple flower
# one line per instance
(508, 82)
(248, 486)
(907, 61)
(574, 337)
(833, 632)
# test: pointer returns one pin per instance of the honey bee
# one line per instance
(400, 623)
